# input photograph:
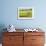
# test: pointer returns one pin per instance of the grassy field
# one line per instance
(25, 13)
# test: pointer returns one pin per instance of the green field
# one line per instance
(25, 13)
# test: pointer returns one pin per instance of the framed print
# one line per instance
(25, 13)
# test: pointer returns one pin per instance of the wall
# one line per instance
(8, 13)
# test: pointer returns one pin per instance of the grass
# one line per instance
(25, 13)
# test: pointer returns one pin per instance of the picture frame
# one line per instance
(25, 13)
